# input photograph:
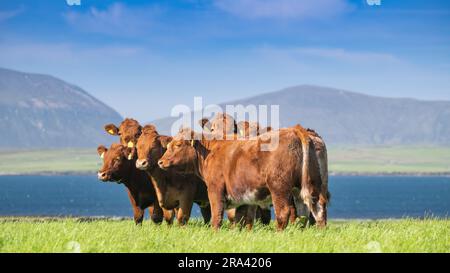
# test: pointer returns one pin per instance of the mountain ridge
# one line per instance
(348, 117)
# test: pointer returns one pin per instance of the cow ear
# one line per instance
(205, 124)
(128, 153)
(101, 150)
(112, 129)
(241, 128)
(165, 141)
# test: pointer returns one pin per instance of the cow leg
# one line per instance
(138, 215)
(184, 211)
(312, 220)
(322, 212)
(319, 211)
(250, 216)
(281, 205)
(168, 216)
(155, 213)
(245, 216)
(216, 199)
(231, 215)
(301, 210)
(266, 215)
(206, 213)
(292, 214)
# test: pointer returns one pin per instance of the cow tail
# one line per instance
(305, 192)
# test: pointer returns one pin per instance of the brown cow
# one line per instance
(221, 125)
(239, 172)
(117, 168)
(252, 129)
(174, 190)
(128, 131)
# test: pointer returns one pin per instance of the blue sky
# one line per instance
(143, 57)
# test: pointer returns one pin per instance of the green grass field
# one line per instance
(390, 160)
(71, 235)
(357, 160)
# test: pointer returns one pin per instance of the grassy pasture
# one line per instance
(72, 235)
(411, 160)
(356, 160)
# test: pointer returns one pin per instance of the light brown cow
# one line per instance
(174, 190)
(117, 168)
(240, 173)
(251, 129)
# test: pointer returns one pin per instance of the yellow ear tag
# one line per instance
(111, 131)
(102, 155)
(192, 143)
(241, 132)
(130, 144)
(130, 156)
(206, 129)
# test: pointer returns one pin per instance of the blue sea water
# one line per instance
(361, 197)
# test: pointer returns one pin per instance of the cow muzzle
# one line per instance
(142, 164)
(163, 165)
(103, 176)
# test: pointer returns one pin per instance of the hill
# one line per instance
(40, 111)
(344, 117)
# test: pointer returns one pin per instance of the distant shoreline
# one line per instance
(93, 173)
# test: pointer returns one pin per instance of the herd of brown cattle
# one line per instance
(221, 168)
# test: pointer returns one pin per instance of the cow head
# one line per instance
(115, 162)
(205, 124)
(248, 129)
(150, 148)
(180, 154)
(128, 131)
(223, 124)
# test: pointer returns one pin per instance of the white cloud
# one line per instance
(117, 19)
(347, 55)
(284, 9)
(334, 54)
(8, 14)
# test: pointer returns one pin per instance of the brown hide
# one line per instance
(174, 190)
(239, 173)
(117, 168)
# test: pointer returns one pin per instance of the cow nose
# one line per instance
(160, 163)
(101, 176)
(141, 164)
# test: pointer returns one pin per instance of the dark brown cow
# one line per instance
(240, 173)
(117, 168)
(174, 190)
